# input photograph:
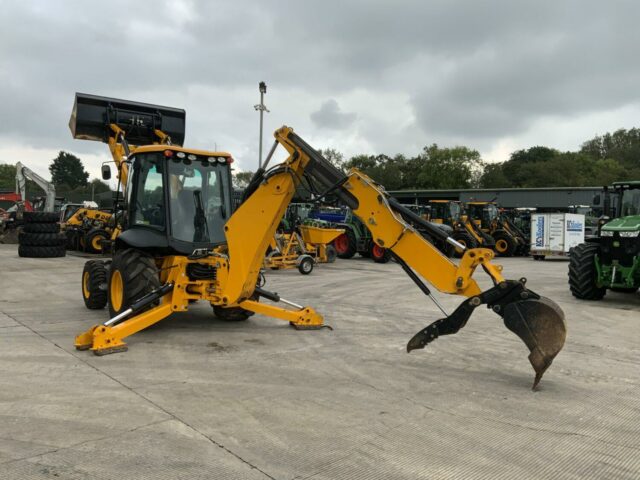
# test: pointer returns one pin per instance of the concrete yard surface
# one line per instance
(197, 398)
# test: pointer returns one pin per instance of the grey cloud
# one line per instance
(332, 117)
(475, 71)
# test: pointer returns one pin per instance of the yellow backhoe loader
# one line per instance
(465, 231)
(180, 243)
(509, 239)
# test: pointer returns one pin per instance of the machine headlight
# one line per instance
(629, 234)
(222, 160)
(606, 233)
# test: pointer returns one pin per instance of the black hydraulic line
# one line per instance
(410, 216)
(412, 275)
(274, 297)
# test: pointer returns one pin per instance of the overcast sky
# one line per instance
(359, 76)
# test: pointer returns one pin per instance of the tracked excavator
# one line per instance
(180, 242)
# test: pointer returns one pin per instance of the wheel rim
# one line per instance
(341, 243)
(502, 245)
(95, 243)
(307, 266)
(85, 285)
(116, 292)
(377, 251)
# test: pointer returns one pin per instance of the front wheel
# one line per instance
(505, 244)
(465, 240)
(133, 274)
(94, 285)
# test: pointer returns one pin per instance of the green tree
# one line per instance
(7, 176)
(621, 145)
(436, 167)
(67, 170)
(241, 179)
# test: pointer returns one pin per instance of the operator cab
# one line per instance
(483, 213)
(176, 200)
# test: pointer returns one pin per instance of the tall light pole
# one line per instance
(261, 107)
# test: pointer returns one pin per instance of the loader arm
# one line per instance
(536, 320)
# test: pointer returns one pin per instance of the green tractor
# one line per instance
(611, 259)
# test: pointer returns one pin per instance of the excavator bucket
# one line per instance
(541, 326)
(537, 320)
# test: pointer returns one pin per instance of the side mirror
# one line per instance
(106, 172)
(596, 199)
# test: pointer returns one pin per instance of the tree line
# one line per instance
(599, 161)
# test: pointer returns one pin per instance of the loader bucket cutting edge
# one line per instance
(540, 324)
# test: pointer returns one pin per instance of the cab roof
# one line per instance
(176, 148)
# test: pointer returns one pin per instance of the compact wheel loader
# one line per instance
(509, 240)
(181, 243)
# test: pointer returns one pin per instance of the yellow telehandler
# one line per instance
(181, 243)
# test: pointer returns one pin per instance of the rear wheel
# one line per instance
(379, 254)
(346, 244)
(133, 274)
(94, 284)
(583, 273)
(505, 244)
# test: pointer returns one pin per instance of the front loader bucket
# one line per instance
(92, 116)
(541, 326)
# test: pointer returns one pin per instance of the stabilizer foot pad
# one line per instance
(309, 327)
(108, 351)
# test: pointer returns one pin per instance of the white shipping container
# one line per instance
(555, 233)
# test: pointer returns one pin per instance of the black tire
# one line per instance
(40, 217)
(42, 239)
(305, 265)
(94, 284)
(379, 254)
(138, 275)
(465, 239)
(41, 228)
(538, 257)
(346, 248)
(94, 238)
(48, 251)
(231, 314)
(583, 274)
(331, 253)
(505, 244)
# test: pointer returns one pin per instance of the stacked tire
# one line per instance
(40, 236)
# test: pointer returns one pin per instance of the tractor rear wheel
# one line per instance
(133, 274)
(583, 273)
(331, 253)
(505, 244)
(346, 244)
(379, 254)
(465, 239)
(94, 284)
